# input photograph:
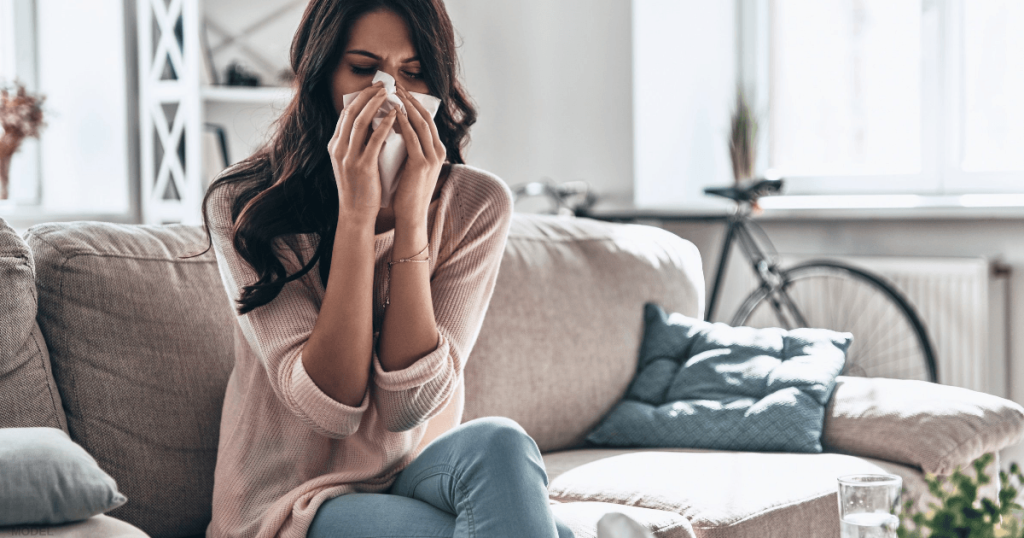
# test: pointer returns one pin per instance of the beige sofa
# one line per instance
(108, 335)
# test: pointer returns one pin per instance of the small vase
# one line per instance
(5, 175)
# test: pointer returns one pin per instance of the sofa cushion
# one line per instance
(709, 385)
(48, 479)
(936, 428)
(722, 494)
(582, 518)
(28, 395)
(141, 347)
(95, 527)
(559, 344)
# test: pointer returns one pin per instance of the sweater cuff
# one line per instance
(416, 374)
(336, 418)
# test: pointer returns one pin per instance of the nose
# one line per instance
(393, 72)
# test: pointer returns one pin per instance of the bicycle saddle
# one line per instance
(748, 193)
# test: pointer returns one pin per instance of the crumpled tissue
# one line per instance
(394, 152)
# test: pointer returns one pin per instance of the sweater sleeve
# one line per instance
(461, 287)
(278, 331)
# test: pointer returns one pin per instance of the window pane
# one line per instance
(6, 40)
(993, 85)
(846, 87)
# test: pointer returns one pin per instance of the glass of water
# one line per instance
(869, 505)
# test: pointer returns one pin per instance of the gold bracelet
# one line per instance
(410, 258)
(387, 296)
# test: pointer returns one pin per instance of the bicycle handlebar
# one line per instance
(749, 193)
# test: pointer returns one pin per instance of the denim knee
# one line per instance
(501, 439)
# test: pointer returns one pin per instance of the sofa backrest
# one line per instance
(28, 395)
(561, 338)
(141, 342)
(141, 347)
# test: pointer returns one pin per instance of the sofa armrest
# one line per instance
(94, 527)
(936, 428)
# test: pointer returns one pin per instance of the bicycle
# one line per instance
(817, 293)
(889, 341)
(571, 198)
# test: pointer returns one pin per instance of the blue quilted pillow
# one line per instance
(709, 385)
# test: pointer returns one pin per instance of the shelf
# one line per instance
(837, 207)
(245, 94)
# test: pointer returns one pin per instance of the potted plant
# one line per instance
(742, 139)
(960, 513)
(21, 116)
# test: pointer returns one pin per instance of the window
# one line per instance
(993, 86)
(889, 96)
(17, 63)
(74, 54)
(6, 40)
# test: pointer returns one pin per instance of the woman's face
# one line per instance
(379, 41)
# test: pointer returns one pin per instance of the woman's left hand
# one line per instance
(418, 176)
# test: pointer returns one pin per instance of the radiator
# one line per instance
(961, 302)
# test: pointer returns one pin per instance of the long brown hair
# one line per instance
(287, 186)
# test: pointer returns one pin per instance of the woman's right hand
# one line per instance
(354, 153)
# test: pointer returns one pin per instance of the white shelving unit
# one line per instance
(172, 103)
(235, 94)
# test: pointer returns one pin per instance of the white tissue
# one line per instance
(393, 154)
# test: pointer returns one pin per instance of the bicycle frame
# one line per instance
(766, 269)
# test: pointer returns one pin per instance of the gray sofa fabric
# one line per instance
(99, 526)
(723, 494)
(559, 344)
(141, 343)
(28, 396)
(936, 428)
(141, 348)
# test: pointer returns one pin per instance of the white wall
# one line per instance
(553, 85)
(552, 81)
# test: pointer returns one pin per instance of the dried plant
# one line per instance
(21, 116)
(742, 139)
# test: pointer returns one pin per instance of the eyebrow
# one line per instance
(375, 57)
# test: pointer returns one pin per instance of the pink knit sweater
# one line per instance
(285, 446)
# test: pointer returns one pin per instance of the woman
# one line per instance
(302, 451)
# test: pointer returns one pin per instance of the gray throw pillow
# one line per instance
(709, 385)
(48, 479)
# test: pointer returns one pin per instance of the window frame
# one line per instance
(941, 110)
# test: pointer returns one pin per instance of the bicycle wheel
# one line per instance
(889, 338)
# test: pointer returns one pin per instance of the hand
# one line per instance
(354, 153)
(418, 175)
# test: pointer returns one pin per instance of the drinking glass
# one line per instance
(869, 505)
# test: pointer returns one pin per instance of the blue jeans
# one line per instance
(482, 479)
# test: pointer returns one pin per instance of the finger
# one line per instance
(412, 141)
(361, 124)
(376, 141)
(352, 111)
(415, 117)
(356, 105)
(423, 111)
(434, 135)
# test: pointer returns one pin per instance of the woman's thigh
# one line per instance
(380, 515)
